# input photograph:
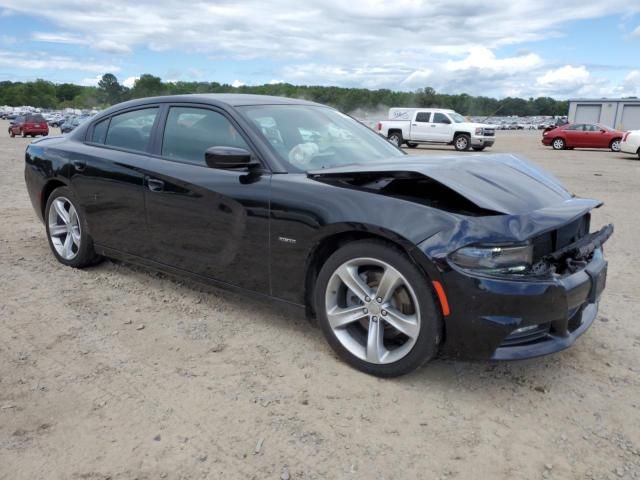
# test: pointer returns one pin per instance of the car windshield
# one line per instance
(307, 137)
(456, 117)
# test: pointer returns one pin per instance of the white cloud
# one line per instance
(564, 76)
(237, 83)
(31, 61)
(91, 81)
(636, 32)
(129, 82)
(450, 45)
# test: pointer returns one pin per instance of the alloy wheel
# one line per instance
(372, 310)
(615, 145)
(462, 143)
(64, 228)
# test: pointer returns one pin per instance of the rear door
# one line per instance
(574, 135)
(203, 220)
(420, 125)
(108, 177)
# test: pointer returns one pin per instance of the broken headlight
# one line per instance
(494, 259)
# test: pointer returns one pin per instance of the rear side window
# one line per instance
(423, 117)
(189, 132)
(100, 131)
(131, 130)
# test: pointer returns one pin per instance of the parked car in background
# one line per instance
(398, 257)
(31, 124)
(435, 125)
(631, 142)
(70, 124)
(582, 135)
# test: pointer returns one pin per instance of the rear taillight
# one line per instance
(379, 126)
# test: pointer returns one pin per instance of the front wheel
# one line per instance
(615, 145)
(462, 142)
(67, 231)
(412, 144)
(478, 149)
(12, 134)
(558, 144)
(376, 309)
(396, 138)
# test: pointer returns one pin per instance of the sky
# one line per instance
(563, 49)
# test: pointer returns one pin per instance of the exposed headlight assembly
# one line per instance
(494, 259)
(479, 131)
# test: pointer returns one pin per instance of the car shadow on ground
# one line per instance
(537, 374)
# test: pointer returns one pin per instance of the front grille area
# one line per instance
(526, 337)
(556, 239)
(488, 132)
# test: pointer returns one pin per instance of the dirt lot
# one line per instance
(119, 373)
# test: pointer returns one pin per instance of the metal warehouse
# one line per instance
(621, 114)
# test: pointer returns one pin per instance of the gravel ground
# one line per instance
(115, 372)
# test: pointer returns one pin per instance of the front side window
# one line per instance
(189, 132)
(423, 117)
(457, 118)
(307, 137)
(440, 118)
(131, 130)
(579, 127)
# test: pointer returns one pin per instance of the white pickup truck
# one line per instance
(435, 125)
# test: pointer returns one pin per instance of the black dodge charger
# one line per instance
(398, 258)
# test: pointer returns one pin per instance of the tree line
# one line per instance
(46, 94)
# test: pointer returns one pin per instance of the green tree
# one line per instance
(109, 90)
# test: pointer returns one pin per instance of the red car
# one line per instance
(582, 135)
(29, 124)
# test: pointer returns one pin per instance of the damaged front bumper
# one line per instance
(503, 318)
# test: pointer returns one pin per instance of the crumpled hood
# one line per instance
(501, 182)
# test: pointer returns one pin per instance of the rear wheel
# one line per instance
(558, 144)
(376, 309)
(615, 145)
(396, 138)
(67, 231)
(462, 142)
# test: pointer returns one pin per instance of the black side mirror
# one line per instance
(229, 158)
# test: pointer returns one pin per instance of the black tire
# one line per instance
(615, 144)
(462, 142)
(558, 144)
(24, 134)
(428, 339)
(396, 138)
(12, 134)
(86, 254)
(478, 149)
(412, 144)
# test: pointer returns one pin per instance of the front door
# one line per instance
(441, 130)
(204, 220)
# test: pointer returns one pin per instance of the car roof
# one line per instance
(219, 99)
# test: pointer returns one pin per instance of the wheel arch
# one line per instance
(334, 240)
(47, 189)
